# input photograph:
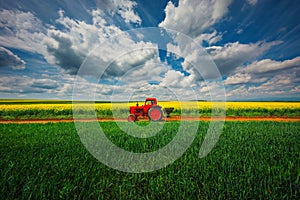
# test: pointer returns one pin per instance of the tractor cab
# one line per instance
(150, 101)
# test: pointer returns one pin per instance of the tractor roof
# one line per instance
(150, 99)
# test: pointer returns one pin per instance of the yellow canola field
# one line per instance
(176, 105)
(264, 105)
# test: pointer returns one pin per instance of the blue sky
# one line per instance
(45, 45)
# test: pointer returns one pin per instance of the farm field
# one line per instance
(252, 160)
(39, 109)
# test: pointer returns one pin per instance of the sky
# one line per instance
(234, 50)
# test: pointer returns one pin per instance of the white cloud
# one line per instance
(278, 85)
(238, 93)
(177, 79)
(227, 58)
(211, 91)
(138, 58)
(9, 59)
(210, 38)
(220, 8)
(124, 8)
(66, 47)
(268, 65)
(237, 78)
(21, 30)
(296, 89)
(264, 79)
(279, 81)
(232, 55)
(236, 49)
(196, 61)
(192, 17)
(70, 46)
(27, 85)
(15, 20)
(127, 12)
(151, 70)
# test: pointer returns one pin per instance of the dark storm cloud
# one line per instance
(65, 56)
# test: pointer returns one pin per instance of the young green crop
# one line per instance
(252, 160)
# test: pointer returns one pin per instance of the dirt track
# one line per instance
(275, 119)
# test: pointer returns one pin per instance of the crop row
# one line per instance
(119, 110)
(252, 160)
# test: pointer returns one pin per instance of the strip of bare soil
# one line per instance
(175, 118)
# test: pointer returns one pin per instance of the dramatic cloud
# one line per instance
(227, 58)
(150, 70)
(8, 59)
(71, 45)
(124, 8)
(233, 55)
(192, 17)
(130, 61)
(21, 30)
(263, 85)
(237, 79)
(279, 84)
(66, 47)
(196, 61)
(268, 65)
(27, 85)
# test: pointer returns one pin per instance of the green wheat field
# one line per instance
(252, 160)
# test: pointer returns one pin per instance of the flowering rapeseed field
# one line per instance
(52, 109)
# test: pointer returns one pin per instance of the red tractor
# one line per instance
(151, 109)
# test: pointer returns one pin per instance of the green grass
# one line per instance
(252, 160)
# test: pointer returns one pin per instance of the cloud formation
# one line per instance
(268, 65)
(21, 30)
(8, 59)
(193, 17)
(27, 85)
(232, 55)
(124, 8)
(70, 46)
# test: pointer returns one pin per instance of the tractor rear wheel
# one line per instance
(131, 118)
(155, 114)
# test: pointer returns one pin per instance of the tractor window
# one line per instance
(150, 102)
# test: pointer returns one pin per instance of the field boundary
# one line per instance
(176, 118)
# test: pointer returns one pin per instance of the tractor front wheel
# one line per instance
(131, 118)
(155, 114)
